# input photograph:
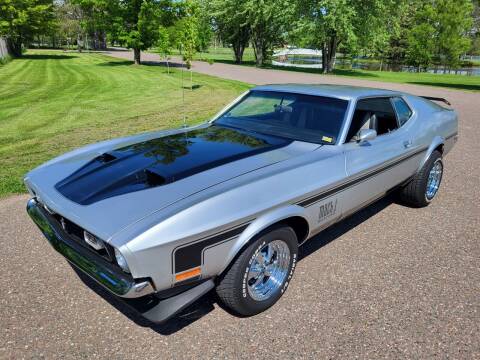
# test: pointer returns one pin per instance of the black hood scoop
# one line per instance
(162, 161)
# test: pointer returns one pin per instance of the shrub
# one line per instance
(6, 59)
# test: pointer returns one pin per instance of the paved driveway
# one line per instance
(388, 282)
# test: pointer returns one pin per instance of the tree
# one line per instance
(422, 37)
(139, 26)
(395, 51)
(135, 23)
(379, 27)
(189, 31)
(164, 45)
(440, 33)
(475, 31)
(68, 17)
(94, 20)
(328, 23)
(188, 36)
(204, 25)
(454, 21)
(348, 23)
(421, 45)
(22, 20)
(231, 25)
(267, 20)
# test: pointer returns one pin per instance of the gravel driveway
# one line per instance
(387, 282)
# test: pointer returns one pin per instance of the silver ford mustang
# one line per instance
(168, 216)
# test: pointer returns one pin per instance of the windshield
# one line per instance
(295, 116)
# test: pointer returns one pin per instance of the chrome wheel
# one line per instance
(434, 179)
(268, 270)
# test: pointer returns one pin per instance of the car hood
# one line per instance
(104, 189)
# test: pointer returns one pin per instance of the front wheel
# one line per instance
(262, 272)
(423, 188)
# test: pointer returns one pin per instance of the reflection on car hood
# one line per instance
(161, 161)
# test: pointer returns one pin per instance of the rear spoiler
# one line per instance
(437, 99)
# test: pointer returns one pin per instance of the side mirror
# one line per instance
(365, 135)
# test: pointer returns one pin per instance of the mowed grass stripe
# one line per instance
(53, 102)
(13, 75)
(41, 88)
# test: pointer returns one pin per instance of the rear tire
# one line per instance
(261, 273)
(423, 188)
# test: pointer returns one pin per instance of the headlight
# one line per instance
(121, 261)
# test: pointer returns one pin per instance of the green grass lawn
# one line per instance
(51, 102)
(460, 82)
(469, 83)
(221, 54)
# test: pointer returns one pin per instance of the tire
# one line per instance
(415, 192)
(234, 290)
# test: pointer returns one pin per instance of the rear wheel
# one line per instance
(423, 188)
(262, 272)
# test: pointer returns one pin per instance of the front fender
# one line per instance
(261, 223)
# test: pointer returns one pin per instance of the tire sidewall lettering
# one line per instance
(293, 263)
(430, 167)
(290, 274)
(247, 268)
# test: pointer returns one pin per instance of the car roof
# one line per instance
(336, 91)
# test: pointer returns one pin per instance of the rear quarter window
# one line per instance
(404, 112)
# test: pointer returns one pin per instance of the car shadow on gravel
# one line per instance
(206, 304)
(344, 226)
(187, 316)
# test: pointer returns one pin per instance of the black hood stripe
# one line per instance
(162, 161)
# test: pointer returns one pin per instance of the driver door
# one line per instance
(369, 165)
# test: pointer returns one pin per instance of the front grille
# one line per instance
(76, 233)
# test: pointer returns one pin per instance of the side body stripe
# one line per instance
(311, 200)
(189, 256)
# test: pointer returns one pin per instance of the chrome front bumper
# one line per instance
(99, 269)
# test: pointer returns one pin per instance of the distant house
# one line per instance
(3, 48)
(295, 57)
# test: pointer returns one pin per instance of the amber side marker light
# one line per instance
(188, 274)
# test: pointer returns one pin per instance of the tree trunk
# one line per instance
(95, 40)
(238, 49)
(332, 53)
(324, 59)
(329, 54)
(265, 53)
(258, 49)
(79, 43)
(15, 47)
(136, 56)
(103, 41)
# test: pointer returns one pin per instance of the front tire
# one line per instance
(261, 274)
(423, 188)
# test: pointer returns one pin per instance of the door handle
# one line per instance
(407, 144)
